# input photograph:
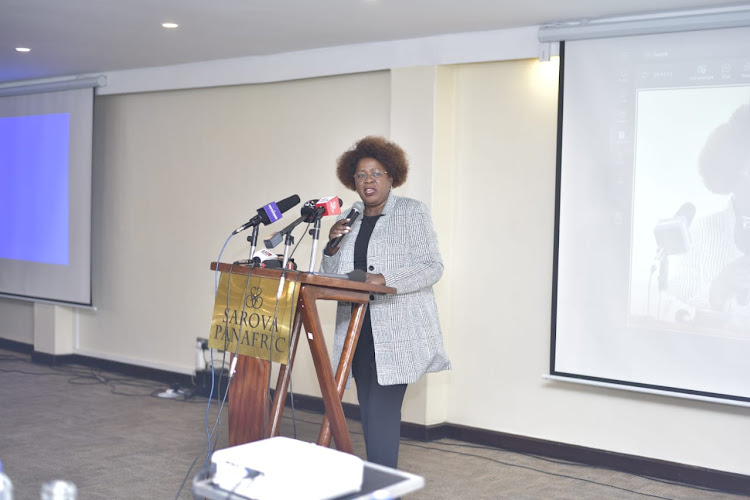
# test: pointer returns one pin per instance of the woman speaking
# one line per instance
(395, 243)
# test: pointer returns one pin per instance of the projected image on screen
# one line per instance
(34, 188)
(652, 277)
(688, 197)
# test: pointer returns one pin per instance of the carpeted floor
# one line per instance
(115, 439)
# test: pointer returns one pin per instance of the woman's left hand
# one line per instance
(375, 279)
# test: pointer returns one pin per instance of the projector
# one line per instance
(281, 468)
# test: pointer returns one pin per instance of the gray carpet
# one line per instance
(114, 439)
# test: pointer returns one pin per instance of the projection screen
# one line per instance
(45, 196)
(651, 272)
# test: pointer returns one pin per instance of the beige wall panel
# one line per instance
(176, 172)
(17, 320)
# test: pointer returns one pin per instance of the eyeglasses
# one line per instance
(375, 174)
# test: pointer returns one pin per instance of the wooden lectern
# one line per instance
(250, 418)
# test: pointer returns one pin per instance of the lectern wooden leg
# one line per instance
(345, 363)
(322, 362)
(248, 400)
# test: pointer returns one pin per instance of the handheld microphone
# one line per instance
(268, 214)
(352, 216)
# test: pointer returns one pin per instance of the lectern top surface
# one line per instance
(303, 277)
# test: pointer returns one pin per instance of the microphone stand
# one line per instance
(289, 239)
(315, 233)
(288, 242)
(253, 239)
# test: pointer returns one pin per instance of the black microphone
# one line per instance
(352, 216)
(268, 214)
(315, 209)
(277, 237)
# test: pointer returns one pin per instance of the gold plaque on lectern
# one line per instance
(248, 319)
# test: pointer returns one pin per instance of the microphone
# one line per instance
(262, 258)
(315, 209)
(330, 205)
(311, 211)
(274, 240)
(266, 259)
(263, 255)
(352, 216)
(672, 236)
(268, 214)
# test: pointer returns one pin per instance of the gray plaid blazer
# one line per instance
(405, 326)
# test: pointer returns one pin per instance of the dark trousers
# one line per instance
(379, 405)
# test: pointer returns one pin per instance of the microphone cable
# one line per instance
(209, 433)
(291, 333)
(233, 364)
(209, 446)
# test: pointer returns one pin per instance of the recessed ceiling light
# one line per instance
(170, 25)
(23, 49)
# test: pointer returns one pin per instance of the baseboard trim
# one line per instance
(632, 464)
(155, 374)
(44, 358)
(659, 469)
(19, 347)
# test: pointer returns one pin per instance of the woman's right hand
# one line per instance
(337, 230)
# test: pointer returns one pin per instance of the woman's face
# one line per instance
(373, 184)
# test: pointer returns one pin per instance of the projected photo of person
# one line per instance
(714, 274)
(691, 211)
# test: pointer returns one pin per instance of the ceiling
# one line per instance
(73, 37)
